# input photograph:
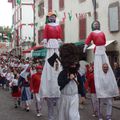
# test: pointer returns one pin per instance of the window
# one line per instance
(13, 19)
(41, 9)
(61, 4)
(113, 17)
(40, 35)
(113, 57)
(20, 13)
(17, 37)
(63, 31)
(82, 1)
(49, 5)
(82, 28)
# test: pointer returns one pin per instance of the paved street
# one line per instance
(8, 112)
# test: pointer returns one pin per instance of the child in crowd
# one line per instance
(35, 85)
(90, 86)
(24, 83)
(16, 93)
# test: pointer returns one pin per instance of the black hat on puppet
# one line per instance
(53, 59)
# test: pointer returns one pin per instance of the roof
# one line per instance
(107, 43)
(33, 48)
(39, 53)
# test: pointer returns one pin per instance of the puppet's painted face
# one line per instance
(96, 25)
(52, 19)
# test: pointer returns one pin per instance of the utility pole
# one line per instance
(94, 6)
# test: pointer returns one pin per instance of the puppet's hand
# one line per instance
(60, 42)
(44, 42)
(85, 47)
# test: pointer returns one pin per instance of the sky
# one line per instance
(5, 13)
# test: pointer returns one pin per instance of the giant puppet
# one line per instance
(49, 88)
(106, 86)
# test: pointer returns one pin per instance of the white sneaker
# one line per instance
(39, 114)
(27, 109)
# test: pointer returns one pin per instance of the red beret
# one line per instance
(39, 67)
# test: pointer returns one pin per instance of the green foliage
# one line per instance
(5, 31)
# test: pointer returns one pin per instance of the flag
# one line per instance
(18, 2)
(70, 15)
(9, 36)
(29, 38)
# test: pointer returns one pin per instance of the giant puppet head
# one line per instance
(51, 17)
(69, 55)
(95, 25)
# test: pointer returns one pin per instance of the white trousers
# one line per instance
(69, 107)
(52, 104)
(94, 100)
(108, 103)
(105, 84)
(38, 102)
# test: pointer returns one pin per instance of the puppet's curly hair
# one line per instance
(69, 55)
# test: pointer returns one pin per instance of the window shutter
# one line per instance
(17, 38)
(61, 4)
(49, 5)
(40, 9)
(40, 35)
(63, 31)
(82, 28)
(82, 1)
(15, 17)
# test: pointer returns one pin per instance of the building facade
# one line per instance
(23, 24)
(76, 17)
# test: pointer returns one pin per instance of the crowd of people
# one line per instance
(23, 80)
(15, 76)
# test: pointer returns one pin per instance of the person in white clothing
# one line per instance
(70, 83)
(106, 100)
(49, 88)
(105, 84)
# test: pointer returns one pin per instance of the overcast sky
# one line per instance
(5, 13)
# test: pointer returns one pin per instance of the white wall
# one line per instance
(27, 31)
(72, 27)
(27, 18)
(27, 14)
